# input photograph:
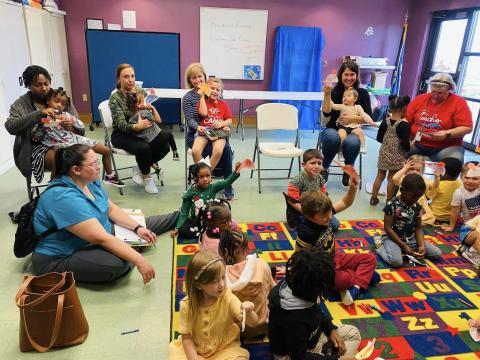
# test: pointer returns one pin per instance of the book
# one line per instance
(214, 134)
(127, 235)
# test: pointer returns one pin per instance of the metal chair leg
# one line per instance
(290, 168)
(254, 154)
(259, 175)
(116, 172)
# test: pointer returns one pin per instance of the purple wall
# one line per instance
(342, 21)
(417, 36)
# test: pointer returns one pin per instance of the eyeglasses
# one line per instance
(94, 164)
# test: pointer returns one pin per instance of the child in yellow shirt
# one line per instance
(442, 195)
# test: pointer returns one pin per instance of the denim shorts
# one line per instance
(464, 231)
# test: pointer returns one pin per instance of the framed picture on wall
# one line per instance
(95, 24)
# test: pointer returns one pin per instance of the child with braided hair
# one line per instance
(214, 218)
(248, 276)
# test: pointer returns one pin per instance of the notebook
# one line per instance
(127, 235)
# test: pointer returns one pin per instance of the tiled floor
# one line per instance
(128, 304)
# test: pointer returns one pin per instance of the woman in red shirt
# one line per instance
(439, 120)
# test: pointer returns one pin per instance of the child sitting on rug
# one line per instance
(309, 179)
(210, 314)
(215, 218)
(403, 225)
(441, 196)
(248, 276)
(466, 199)
(470, 238)
(297, 327)
(354, 272)
(202, 191)
(415, 164)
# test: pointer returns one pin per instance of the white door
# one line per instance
(14, 54)
(61, 73)
(14, 58)
(6, 148)
(38, 33)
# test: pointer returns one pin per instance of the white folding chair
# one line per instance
(276, 116)
(106, 117)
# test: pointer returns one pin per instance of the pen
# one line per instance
(465, 303)
(130, 331)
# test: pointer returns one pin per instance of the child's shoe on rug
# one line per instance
(349, 295)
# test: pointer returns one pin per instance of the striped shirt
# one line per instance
(190, 110)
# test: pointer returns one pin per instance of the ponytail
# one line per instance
(397, 103)
(66, 158)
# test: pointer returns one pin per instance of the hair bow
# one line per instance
(473, 170)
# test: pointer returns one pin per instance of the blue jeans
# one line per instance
(391, 253)
(438, 154)
(225, 161)
(331, 143)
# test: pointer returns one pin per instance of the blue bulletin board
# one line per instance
(155, 57)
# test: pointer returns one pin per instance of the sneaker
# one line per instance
(137, 176)
(363, 149)
(348, 296)
(345, 179)
(472, 256)
(175, 156)
(150, 186)
(376, 278)
(341, 159)
(113, 180)
(324, 173)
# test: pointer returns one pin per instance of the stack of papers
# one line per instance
(127, 235)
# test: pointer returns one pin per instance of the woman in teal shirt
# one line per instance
(80, 208)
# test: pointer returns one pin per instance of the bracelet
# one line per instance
(136, 228)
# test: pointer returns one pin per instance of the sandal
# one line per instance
(374, 201)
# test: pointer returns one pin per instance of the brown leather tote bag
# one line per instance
(50, 312)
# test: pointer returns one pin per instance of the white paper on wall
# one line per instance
(129, 19)
(114, 27)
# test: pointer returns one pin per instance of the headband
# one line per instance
(204, 267)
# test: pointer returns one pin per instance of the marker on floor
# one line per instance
(130, 332)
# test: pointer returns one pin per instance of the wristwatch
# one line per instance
(449, 135)
(137, 227)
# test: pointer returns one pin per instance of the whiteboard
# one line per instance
(232, 42)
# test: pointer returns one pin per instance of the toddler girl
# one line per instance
(210, 314)
(63, 131)
(214, 114)
(215, 218)
(394, 135)
(348, 108)
(198, 196)
(248, 276)
(136, 105)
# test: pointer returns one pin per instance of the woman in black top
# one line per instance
(348, 78)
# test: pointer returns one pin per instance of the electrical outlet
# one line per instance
(84, 97)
